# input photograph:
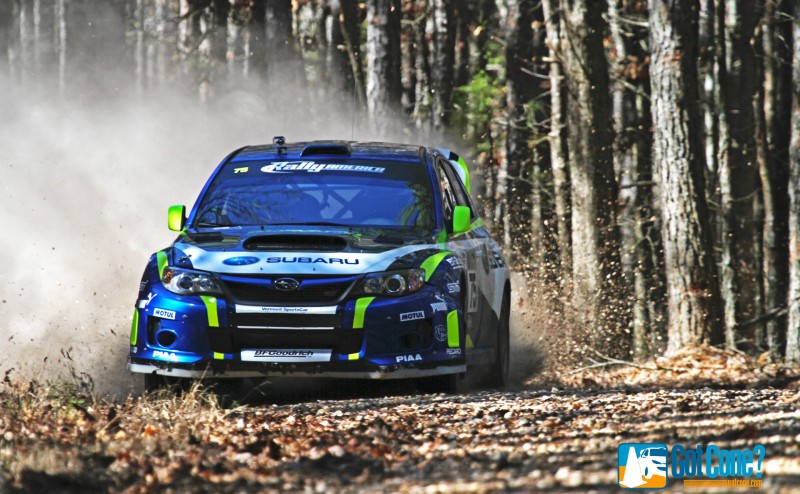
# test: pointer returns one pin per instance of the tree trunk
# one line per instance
(598, 294)
(337, 61)
(284, 61)
(257, 40)
(774, 169)
(693, 299)
(517, 218)
(442, 59)
(634, 172)
(352, 40)
(738, 168)
(383, 61)
(793, 333)
(558, 147)
(422, 75)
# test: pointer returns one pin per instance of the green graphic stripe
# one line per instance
(430, 264)
(466, 173)
(211, 308)
(452, 329)
(135, 327)
(161, 257)
(442, 238)
(361, 309)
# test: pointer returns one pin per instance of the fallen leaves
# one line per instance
(484, 441)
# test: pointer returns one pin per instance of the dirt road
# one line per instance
(325, 440)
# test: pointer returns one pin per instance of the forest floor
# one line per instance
(384, 437)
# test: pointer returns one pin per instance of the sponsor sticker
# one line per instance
(260, 309)
(165, 355)
(289, 356)
(408, 358)
(440, 332)
(454, 351)
(453, 288)
(313, 167)
(439, 307)
(164, 313)
(412, 316)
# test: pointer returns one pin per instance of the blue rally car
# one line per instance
(332, 259)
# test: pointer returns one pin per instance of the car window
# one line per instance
(459, 194)
(359, 193)
(447, 191)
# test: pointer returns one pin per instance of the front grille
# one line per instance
(234, 340)
(329, 321)
(311, 290)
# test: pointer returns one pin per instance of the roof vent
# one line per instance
(336, 148)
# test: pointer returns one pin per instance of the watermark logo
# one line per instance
(642, 465)
(648, 465)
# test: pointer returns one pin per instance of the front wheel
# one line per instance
(502, 356)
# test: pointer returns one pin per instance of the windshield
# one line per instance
(346, 192)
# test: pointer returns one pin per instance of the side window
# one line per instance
(460, 194)
(448, 195)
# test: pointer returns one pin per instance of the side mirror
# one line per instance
(461, 216)
(176, 218)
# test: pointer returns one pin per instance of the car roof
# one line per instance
(332, 149)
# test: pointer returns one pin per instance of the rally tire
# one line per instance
(501, 368)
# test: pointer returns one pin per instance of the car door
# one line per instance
(467, 247)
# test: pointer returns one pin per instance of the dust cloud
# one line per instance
(84, 187)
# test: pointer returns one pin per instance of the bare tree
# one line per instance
(558, 146)
(793, 333)
(383, 62)
(597, 292)
(774, 167)
(516, 181)
(442, 22)
(693, 298)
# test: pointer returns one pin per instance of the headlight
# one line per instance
(186, 282)
(394, 283)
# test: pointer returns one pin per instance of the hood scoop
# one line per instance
(306, 243)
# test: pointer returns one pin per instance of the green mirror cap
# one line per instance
(461, 216)
(176, 218)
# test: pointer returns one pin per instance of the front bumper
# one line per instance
(417, 335)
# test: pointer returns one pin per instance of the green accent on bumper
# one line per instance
(161, 257)
(430, 264)
(361, 309)
(466, 174)
(135, 327)
(354, 356)
(452, 329)
(219, 356)
(211, 308)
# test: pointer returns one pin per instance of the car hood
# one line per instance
(327, 251)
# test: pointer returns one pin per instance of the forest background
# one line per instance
(638, 160)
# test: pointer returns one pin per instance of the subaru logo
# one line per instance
(286, 284)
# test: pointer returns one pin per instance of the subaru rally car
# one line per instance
(337, 259)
